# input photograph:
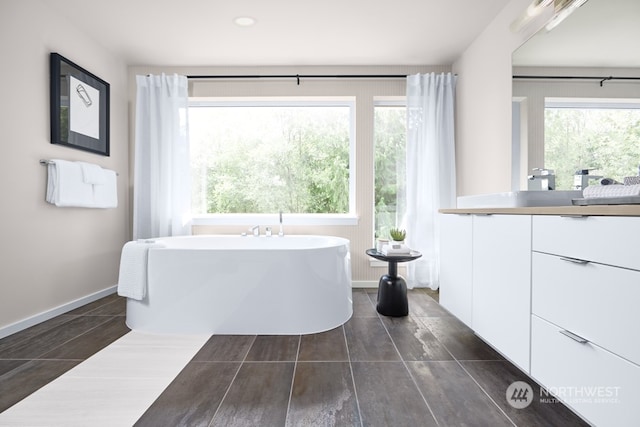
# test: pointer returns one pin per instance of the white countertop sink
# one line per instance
(519, 199)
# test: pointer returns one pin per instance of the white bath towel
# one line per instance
(132, 278)
(106, 195)
(66, 187)
(617, 190)
(631, 180)
(92, 174)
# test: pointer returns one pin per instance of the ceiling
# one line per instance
(601, 33)
(286, 32)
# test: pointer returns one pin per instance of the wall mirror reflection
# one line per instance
(576, 95)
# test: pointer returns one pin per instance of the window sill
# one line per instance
(273, 219)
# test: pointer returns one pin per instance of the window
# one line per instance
(599, 135)
(390, 149)
(262, 157)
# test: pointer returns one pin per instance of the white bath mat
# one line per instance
(112, 388)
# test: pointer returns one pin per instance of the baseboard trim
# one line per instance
(49, 314)
(364, 284)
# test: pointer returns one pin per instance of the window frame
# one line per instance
(381, 101)
(349, 218)
(386, 101)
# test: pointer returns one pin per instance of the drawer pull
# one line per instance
(574, 260)
(574, 337)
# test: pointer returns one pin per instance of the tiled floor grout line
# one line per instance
(38, 357)
(100, 315)
(486, 394)
(72, 317)
(22, 340)
(467, 372)
(404, 363)
(293, 378)
(244, 359)
(353, 378)
(77, 336)
(100, 308)
(25, 339)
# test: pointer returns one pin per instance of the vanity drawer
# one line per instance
(607, 240)
(601, 386)
(594, 301)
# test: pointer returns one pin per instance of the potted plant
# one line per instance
(397, 235)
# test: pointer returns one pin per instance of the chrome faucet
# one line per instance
(281, 232)
(542, 179)
(255, 230)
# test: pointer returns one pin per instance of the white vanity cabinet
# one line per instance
(596, 384)
(502, 284)
(485, 278)
(585, 344)
(557, 295)
(456, 265)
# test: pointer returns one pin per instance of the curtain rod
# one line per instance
(602, 79)
(301, 76)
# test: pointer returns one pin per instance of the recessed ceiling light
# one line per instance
(244, 21)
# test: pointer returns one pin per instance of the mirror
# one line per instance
(600, 33)
(598, 40)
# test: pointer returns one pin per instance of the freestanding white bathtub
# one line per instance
(245, 285)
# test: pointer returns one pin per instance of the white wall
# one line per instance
(483, 105)
(51, 256)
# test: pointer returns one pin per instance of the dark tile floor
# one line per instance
(422, 370)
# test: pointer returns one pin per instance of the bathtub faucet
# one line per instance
(255, 230)
(281, 232)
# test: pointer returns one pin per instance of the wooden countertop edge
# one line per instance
(594, 210)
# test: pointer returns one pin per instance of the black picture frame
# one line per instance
(79, 107)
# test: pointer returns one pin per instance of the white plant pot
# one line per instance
(380, 243)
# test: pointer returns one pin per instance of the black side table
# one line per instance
(392, 289)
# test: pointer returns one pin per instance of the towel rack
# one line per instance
(45, 162)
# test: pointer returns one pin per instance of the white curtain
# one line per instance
(431, 174)
(162, 196)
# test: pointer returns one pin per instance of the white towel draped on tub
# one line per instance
(132, 279)
(79, 184)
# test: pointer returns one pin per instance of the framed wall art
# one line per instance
(79, 107)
